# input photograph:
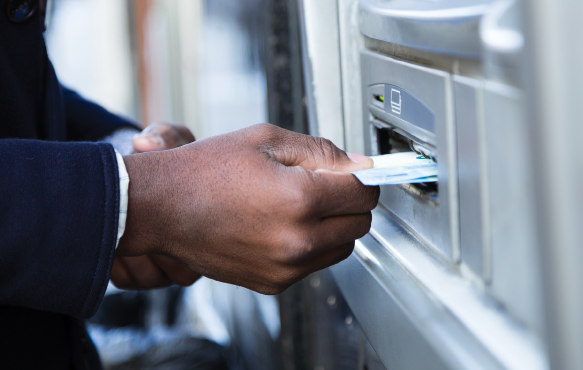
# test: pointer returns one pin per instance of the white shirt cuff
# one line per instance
(124, 184)
(122, 140)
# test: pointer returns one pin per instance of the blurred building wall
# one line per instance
(90, 46)
(233, 88)
(196, 62)
(200, 63)
(167, 40)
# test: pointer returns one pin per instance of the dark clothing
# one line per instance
(89, 121)
(59, 206)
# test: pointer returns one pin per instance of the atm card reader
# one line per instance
(406, 109)
(391, 99)
(414, 124)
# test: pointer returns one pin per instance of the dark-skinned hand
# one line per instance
(261, 207)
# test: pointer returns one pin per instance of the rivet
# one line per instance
(331, 300)
(315, 282)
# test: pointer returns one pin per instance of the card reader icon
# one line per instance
(395, 101)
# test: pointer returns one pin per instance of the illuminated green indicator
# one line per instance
(380, 98)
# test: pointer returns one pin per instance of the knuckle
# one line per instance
(264, 126)
(346, 252)
(267, 136)
(270, 290)
(325, 144)
(267, 129)
(303, 199)
(185, 281)
(342, 253)
(376, 194)
(296, 246)
(365, 225)
(327, 150)
(285, 278)
(371, 197)
(288, 258)
(267, 290)
(292, 253)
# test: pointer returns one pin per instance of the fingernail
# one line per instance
(154, 139)
(357, 158)
(148, 128)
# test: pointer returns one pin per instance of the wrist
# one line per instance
(143, 225)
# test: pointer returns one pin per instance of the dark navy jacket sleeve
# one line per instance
(87, 121)
(58, 224)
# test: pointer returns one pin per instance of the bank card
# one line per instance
(398, 168)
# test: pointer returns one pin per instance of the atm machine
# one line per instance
(475, 271)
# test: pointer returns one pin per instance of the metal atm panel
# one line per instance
(414, 105)
(471, 177)
(516, 279)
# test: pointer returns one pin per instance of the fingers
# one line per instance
(330, 241)
(334, 231)
(120, 276)
(330, 258)
(140, 273)
(176, 271)
(283, 278)
(343, 194)
(313, 153)
(150, 272)
(162, 136)
(325, 193)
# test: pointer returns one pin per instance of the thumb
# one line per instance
(148, 142)
(316, 153)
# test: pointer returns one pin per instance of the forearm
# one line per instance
(145, 221)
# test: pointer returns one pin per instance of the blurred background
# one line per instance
(159, 60)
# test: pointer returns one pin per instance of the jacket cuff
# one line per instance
(110, 231)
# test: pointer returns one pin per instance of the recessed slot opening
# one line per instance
(379, 98)
(390, 141)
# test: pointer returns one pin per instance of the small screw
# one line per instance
(315, 282)
(331, 300)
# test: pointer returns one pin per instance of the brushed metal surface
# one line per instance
(441, 26)
(468, 98)
(418, 312)
(516, 277)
